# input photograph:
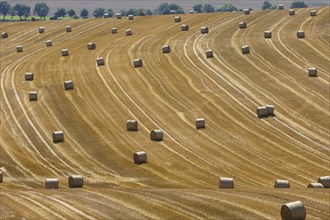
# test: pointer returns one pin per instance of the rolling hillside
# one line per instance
(180, 178)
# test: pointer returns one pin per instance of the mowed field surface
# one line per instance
(180, 178)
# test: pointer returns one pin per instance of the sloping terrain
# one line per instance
(180, 178)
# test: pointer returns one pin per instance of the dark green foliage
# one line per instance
(60, 12)
(84, 13)
(21, 10)
(268, 6)
(208, 8)
(4, 8)
(228, 8)
(71, 13)
(41, 9)
(165, 9)
(298, 4)
(198, 8)
(98, 13)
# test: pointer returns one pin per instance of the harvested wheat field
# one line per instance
(82, 130)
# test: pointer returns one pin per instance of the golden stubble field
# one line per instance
(180, 178)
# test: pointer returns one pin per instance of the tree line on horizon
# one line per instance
(41, 9)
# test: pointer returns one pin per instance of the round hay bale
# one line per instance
(33, 19)
(192, 12)
(28, 76)
(68, 85)
(75, 181)
(118, 15)
(33, 96)
(268, 34)
(312, 72)
(245, 49)
(209, 53)
(132, 125)
(177, 19)
(262, 112)
(282, 184)
(270, 110)
(65, 52)
(106, 15)
(226, 183)
(91, 46)
(200, 123)
(100, 61)
(242, 25)
(1, 177)
(19, 49)
(130, 17)
(204, 30)
(58, 136)
(140, 157)
(291, 12)
(129, 32)
(172, 12)
(166, 48)
(315, 185)
(325, 181)
(293, 211)
(41, 30)
(51, 183)
(280, 7)
(114, 30)
(68, 29)
(300, 34)
(184, 27)
(49, 43)
(313, 13)
(4, 35)
(246, 11)
(142, 13)
(137, 63)
(156, 135)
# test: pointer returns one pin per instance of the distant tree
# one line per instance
(165, 9)
(27, 11)
(60, 12)
(99, 12)
(298, 4)
(12, 13)
(208, 8)
(5, 8)
(20, 10)
(84, 13)
(110, 12)
(148, 12)
(228, 8)
(71, 13)
(41, 9)
(198, 8)
(268, 6)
